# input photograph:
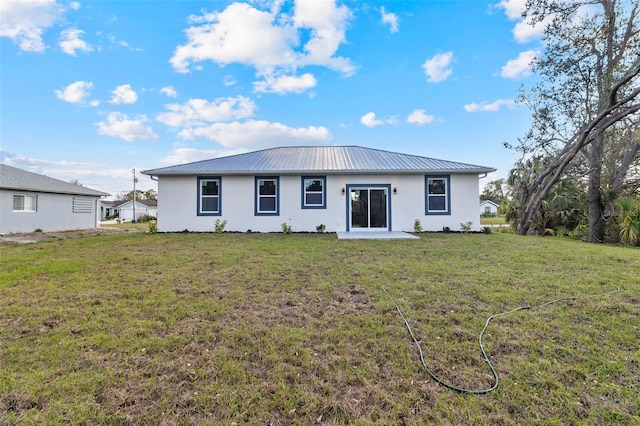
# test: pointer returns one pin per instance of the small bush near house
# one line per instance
(417, 226)
(153, 227)
(486, 230)
(320, 229)
(219, 226)
(466, 227)
(286, 228)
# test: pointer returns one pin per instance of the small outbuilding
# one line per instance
(488, 208)
(29, 202)
(127, 210)
(335, 188)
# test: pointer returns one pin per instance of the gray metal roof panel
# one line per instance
(319, 159)
(18, 179)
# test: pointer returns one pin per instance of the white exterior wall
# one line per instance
(54, 212)
(177, 204)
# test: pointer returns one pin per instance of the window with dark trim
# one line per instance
(437, 195)
(209, 191)
(314, 191)
(25, 203)
(267, 197)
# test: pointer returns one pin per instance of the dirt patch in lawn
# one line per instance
(36, 237)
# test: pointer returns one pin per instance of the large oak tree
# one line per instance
(589, 82)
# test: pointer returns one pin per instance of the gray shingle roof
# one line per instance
(18, 179)
(319, 159)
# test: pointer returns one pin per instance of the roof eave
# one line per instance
(317, 172)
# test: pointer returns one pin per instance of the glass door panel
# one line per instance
(359, 208)
(378, 208)
(369, 209)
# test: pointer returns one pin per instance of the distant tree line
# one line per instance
(149, 194)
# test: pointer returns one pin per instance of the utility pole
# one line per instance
(134, 219)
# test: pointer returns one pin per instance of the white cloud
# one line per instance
(390, 19)
(270, 41)
(418, 116)
(521, 66)
(24, 22)
(240, 33)
(253, 134)
(119, 125)
(370, 120)
(169, 91)
(123, 95)
(285, 84)
(189, 155)
(490, 107)
(523, 31)
(437, 69)
(229, 80)
(70, 42)
(328, 24)
(198, 112)
(74, 93)
(74, 5)
(123, 43)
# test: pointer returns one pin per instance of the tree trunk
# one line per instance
(594, 194)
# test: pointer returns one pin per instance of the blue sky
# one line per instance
(91, 90)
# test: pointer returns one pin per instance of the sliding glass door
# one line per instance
(369, 209)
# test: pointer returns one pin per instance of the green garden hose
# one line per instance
(496, 379)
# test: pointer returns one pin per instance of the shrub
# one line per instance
(145, 218)
(417, 226)
(286, 228)
(629, 221)
(219, 226)
(466, 227)
(486, 230)
(320, 228)
(153, 227)
(446, 229)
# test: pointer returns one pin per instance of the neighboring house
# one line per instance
(107, 209)
(124, 210)
(488, 208)
(29, 201)
(344, 188)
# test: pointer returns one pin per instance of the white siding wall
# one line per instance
(177, 204)
(54, 212)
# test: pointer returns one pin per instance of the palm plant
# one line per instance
(629, 220)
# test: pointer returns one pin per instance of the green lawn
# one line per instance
(294, 329)
(498, 220)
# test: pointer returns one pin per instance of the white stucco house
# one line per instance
(29, 201)
(488, 208)
(344, 188)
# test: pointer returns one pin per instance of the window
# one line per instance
(209, 189)
(82, 205)
(267, 198)
(314, 192)
(437, 197)
(25, 203)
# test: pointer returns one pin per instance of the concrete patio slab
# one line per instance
(382, 235)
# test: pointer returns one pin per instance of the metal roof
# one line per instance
(321, 160)
(22, 180)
